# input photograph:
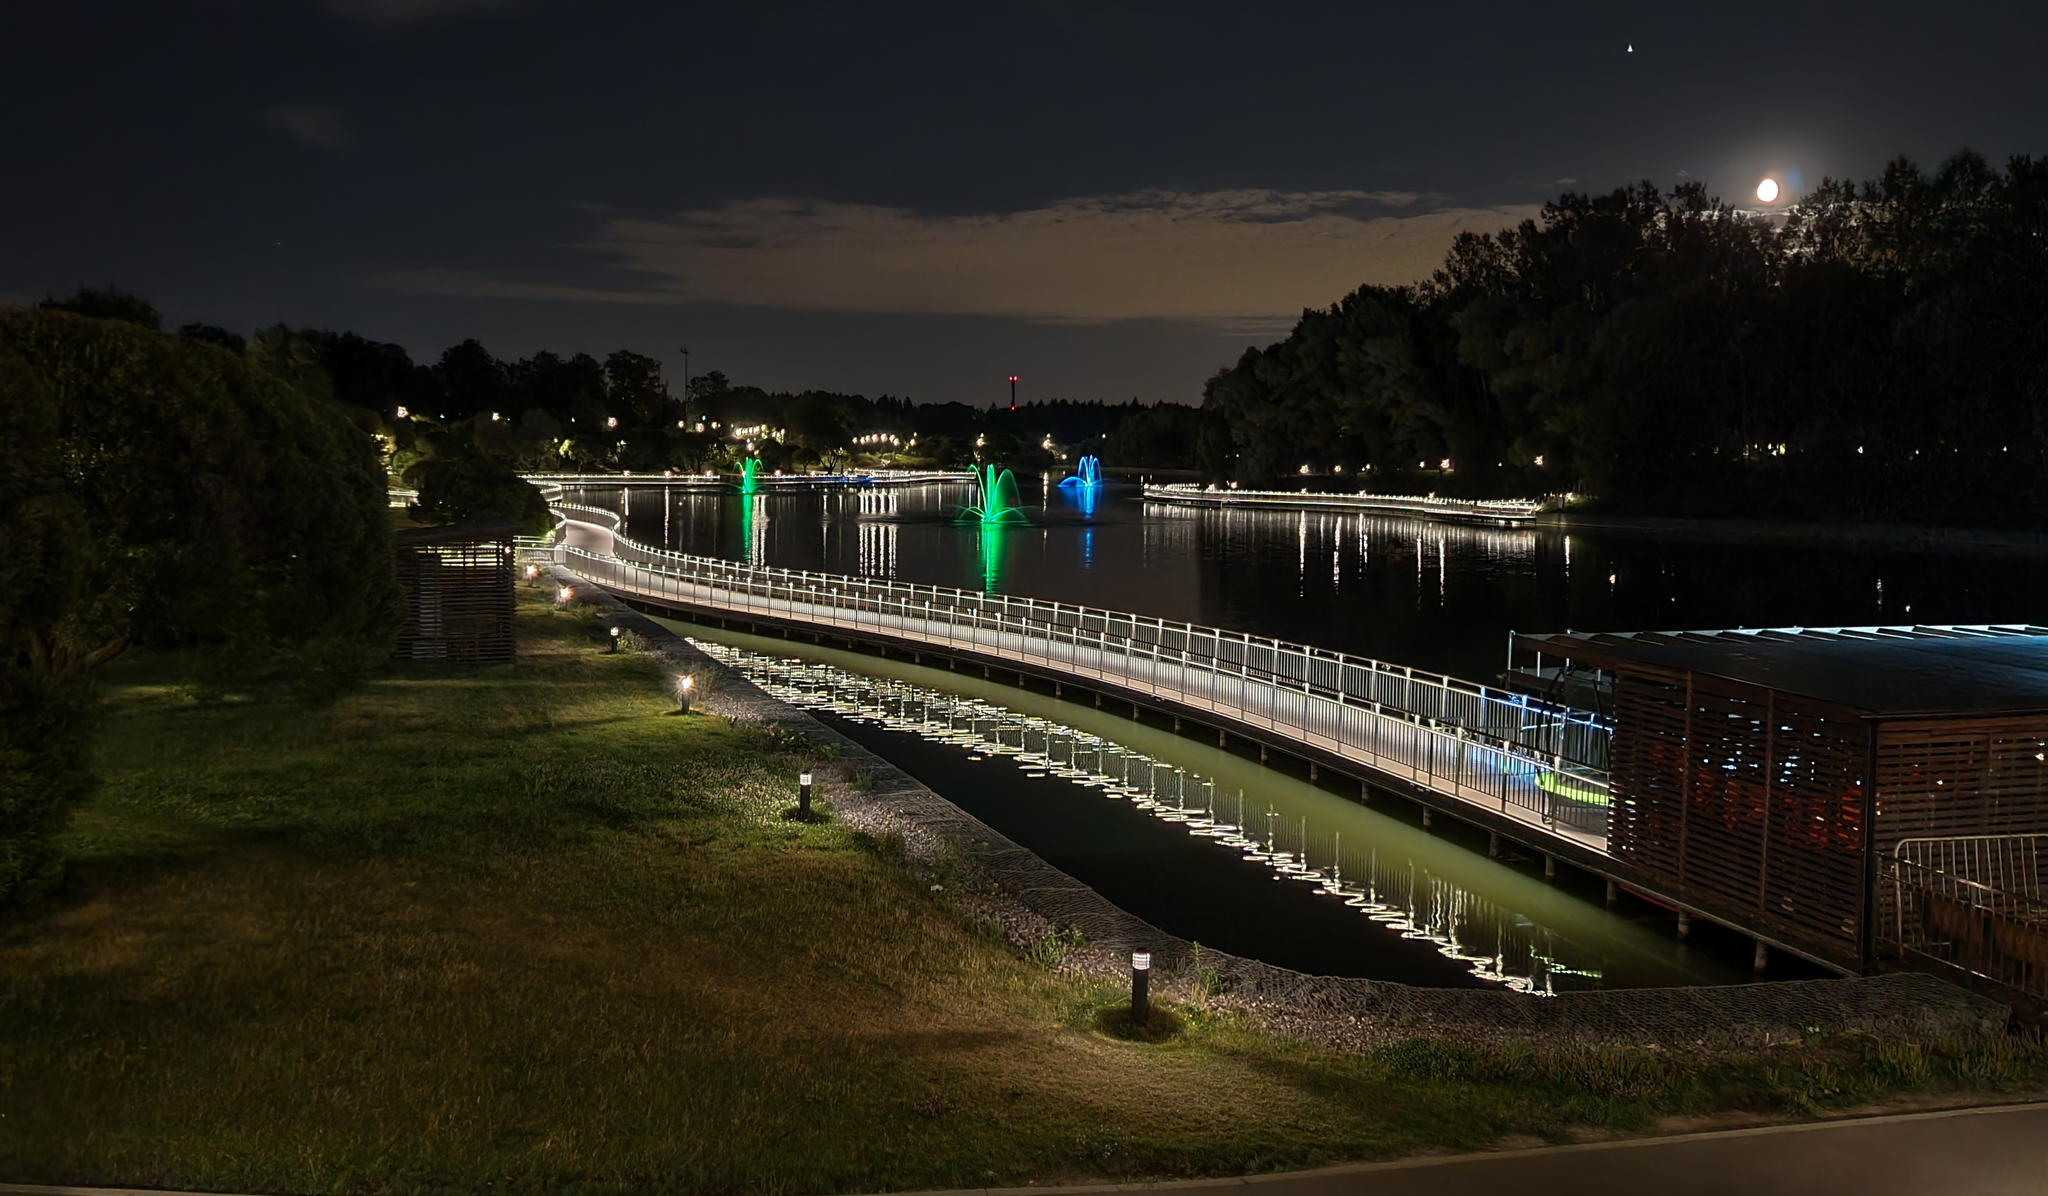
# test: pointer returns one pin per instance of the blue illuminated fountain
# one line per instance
(1087, 475)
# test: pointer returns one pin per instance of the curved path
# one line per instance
(1997, 1151)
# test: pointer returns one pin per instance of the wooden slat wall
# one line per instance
(1974, 777)
(458, 602)
(1747, 801)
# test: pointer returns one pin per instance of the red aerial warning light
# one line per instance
(1013, 377)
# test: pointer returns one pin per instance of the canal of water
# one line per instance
(1213, 846)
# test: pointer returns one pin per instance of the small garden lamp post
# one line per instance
(1141, 976)
(803, 795)
(532, 572)
(563, 595)
(683, 686)
(615, 640)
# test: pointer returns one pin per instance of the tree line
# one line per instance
(165, 492)
(1879, 352)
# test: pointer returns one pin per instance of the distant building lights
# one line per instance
(1444, 464)
(611, 421)
(1304, 471)
(1539, 458)
(495, 417)
(403, 413)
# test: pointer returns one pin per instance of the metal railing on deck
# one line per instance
(1540, 764)
(1974, 901)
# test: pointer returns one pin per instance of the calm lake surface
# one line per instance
(1432, 595)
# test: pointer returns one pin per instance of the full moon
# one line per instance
(1767, 191)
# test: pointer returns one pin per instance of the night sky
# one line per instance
(1110, 199)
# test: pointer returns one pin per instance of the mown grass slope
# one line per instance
(518, 930)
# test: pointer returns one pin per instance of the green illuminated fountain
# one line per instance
(997, 500)
(996, 508)
(749, 469)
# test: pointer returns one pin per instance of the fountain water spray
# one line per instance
(997, 500)
(1087, 475)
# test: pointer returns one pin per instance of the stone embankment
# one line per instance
(1032, 903)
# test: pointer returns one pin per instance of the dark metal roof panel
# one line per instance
(1883, 672)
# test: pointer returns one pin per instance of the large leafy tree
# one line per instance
(162, 492)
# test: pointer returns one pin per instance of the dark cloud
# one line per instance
(321, 127)
(400, 12)
(1245, 259)
(821, 194)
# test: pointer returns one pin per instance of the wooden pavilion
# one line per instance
(458, 592)
(1871, 794)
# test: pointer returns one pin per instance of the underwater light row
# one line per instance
(1494, 943)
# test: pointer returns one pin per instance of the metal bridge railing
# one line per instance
(1537, 763)
(1976, 902)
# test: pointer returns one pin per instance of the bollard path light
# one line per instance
(532, 571)
(803, 795)
(683, 687)
(1141, 975)
(562, 595)
(615, 640)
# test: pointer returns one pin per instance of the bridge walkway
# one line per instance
(1539, 767)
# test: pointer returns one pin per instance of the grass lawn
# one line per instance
(514, 929)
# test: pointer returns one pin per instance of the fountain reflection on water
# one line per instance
(1489, 940)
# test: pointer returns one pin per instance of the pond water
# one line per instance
(1214, 847)
(1433, 595)
(1426, 906)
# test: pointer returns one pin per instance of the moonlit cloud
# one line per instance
(320, 127)
(1228, 257)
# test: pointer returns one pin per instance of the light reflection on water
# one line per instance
(1492, 942)
(1434, 595)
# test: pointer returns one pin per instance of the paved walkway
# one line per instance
(1998, 1151)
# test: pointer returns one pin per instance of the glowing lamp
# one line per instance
(803, 795)
(1141, 978)
(563, 594)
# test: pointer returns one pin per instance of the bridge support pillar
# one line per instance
(1176, 724)
(1022, 682)
(1262, 753)
(1549, 866)
(1763, 957)
(1098, 701)
(1493, 845)
(1425, 815)
(1313, 772)
(1613, 891)
(1364, 794)
(1137, 715)
(984, 671)
(1684, 925)
(1056, 690)
(1222, 738)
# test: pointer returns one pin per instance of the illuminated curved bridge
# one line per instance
(1503, 760)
